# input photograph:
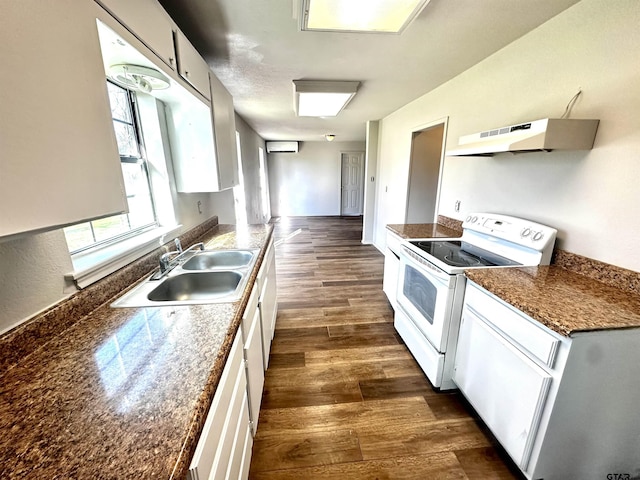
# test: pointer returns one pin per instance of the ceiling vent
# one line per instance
(282, 147)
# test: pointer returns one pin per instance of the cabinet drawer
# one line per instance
(393, 242)
(521, 329)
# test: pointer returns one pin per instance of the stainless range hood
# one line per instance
(545, 134)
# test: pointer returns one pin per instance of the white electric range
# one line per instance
(431, 282)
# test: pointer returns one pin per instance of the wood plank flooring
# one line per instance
(343, 398)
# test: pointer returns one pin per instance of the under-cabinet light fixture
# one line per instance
(139, 78)
(374, 16)
(318, 98)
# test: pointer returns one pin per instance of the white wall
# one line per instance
(250, 141)
(591, 197)
(308, 182)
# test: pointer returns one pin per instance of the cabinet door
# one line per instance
(268, 305)
(148, 21)
(391, 268)
(390, 278)
(505, 387)
(230, 444)
(191, 66)
(224, 125)
(220, 425)
(59, 160)
(241, 453)
(255, 367)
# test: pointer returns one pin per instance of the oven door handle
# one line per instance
(412, 257)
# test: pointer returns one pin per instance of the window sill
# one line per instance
(93, 265)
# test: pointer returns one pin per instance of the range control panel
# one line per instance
(513, 229)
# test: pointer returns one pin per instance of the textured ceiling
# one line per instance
(256, 49)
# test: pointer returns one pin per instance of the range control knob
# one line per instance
(525, 232)
(469, 218)
(474, 219)
(538, 236)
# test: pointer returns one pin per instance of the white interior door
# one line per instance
(352, 183)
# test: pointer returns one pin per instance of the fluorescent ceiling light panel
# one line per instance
(380, 16)
(322, 98)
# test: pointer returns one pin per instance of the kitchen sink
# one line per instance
(196, 286)
(211, 259)
(209, 276)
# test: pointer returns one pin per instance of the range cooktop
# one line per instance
(461, 254)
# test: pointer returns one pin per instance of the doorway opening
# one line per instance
(425, 171)
(352, 188)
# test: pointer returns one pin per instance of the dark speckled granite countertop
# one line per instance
(122, 393)
(423, 230)
(564, 301)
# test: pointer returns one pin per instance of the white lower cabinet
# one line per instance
(268, 303)
(562, 407)
(240, 457)
(252, 333)
(506, 388)
(391, 268)
(226, 441)
(212, 458)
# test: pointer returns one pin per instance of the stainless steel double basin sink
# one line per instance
(209, 276)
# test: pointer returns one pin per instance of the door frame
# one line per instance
(361, 189)
(418, 129)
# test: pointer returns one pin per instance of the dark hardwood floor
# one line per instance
(343, 397)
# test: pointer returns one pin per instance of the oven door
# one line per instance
(425, 294)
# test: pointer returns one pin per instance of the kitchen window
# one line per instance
(141, 216)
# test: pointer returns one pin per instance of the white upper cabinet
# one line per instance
(59, 161)
(191, 65)
(203, 143)
(224, 121)
(148, 21)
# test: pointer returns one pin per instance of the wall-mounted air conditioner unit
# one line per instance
(282, 147)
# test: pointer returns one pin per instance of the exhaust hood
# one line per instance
(546, 134)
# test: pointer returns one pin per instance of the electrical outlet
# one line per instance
(457, 206)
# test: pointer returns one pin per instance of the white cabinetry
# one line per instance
(224, 448)
(224, 439)
(391, 268)
(204, 144)
(148, 21)
(224, 124)
(505, 387)
(202, 128)
(561, 407)
(252, 333)
(191, 66)
(59, 160)
(268, 303)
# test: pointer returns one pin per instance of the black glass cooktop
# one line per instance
(462, 254)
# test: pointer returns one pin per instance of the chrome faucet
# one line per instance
(167, 263)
